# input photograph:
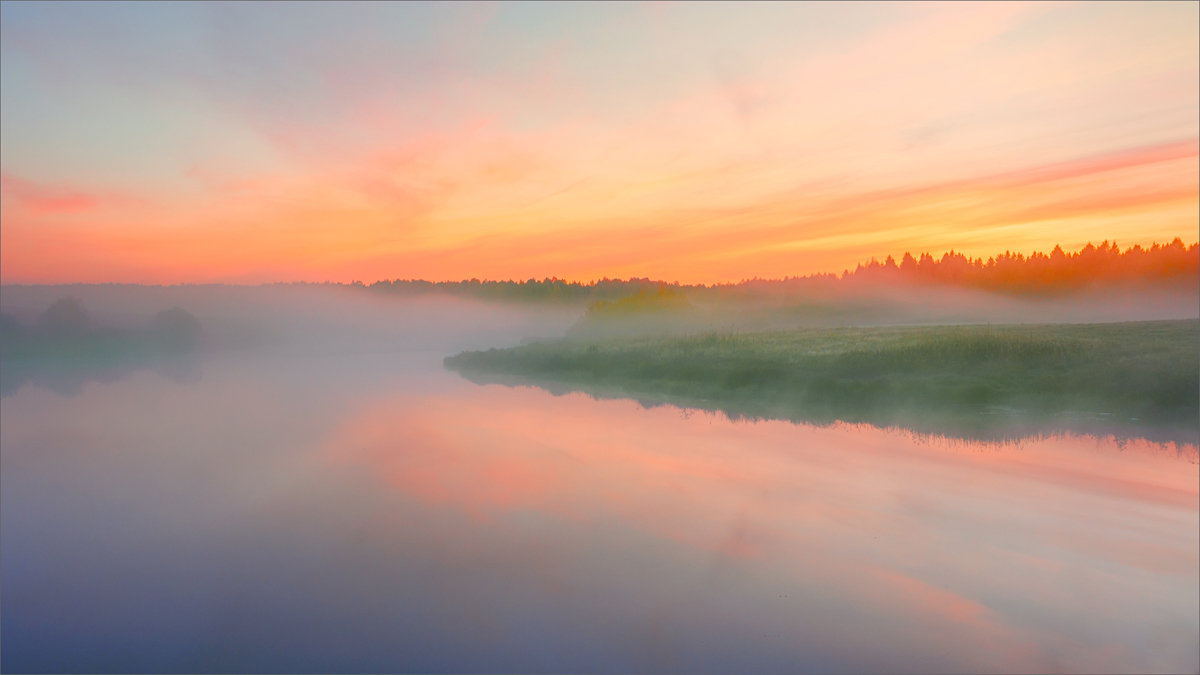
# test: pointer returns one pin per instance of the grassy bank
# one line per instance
(962, 380)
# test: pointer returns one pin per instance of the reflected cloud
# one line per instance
(371, 512)
(926, 535)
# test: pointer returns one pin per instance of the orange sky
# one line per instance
(689, 142)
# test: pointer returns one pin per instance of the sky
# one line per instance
(700, 143)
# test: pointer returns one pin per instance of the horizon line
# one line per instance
(836, 276)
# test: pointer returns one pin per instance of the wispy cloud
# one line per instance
(689, 141)
(40, 199)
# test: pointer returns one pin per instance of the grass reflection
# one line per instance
(988, 382)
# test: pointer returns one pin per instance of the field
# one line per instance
(1139, 378)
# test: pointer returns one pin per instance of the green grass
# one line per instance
(969, 381)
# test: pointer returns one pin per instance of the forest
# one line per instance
(1173, 265)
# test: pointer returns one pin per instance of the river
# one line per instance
(366, 510)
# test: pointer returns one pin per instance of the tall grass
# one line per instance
(1144, 374)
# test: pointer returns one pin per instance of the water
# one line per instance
(357, 510)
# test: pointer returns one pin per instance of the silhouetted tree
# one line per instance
(1174, 264)
(176, 328)
(65, 318)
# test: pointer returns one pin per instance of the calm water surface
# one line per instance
(375, 512)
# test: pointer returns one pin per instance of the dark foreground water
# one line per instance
(338, 512)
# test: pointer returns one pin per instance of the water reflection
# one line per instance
(987, 423)
(374, 513)
(67, 377)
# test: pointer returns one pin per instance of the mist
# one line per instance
(307, 487)
(880, 305)
(292, 321)
(304, 319)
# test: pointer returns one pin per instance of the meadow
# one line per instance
(972, 381)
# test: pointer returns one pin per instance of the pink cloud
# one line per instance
(40, 199)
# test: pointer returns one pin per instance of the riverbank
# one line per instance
(1139, 377)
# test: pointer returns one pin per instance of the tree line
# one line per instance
(1172, 265)
(1092, 265)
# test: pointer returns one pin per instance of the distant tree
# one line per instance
(65, 318)
(176, 328)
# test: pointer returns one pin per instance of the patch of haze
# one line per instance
(866, 306)
(305, 320)
(934, 305)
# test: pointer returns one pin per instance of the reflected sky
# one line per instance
(376, 513)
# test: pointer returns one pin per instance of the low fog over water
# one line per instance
(350, 318)
(313, 491)
(290, 319)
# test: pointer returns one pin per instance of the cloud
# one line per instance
(712, 145)
(38, 199)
